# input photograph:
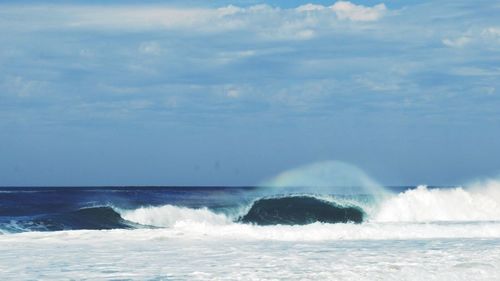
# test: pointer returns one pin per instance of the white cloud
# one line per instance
(233, 93)
(228, 57)
(23, 87)
(310, 8)
(457, 42)
(350, 11)
(263, 18)
(150, 48)
(345, 10)
(491, 31)
(491, 34)
(139, 17)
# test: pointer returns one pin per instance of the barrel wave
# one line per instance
(300, 210)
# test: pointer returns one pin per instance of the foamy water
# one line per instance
(167, 254)
(418, 234)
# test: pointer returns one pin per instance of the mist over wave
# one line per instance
(326, 178)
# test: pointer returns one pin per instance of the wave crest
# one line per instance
(451, 204)
(169, 215)
(300, 210)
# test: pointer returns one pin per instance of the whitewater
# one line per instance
(197, 233)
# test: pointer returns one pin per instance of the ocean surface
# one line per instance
(250, 233)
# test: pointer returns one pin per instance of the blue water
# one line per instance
(63, 208)
(67, 208)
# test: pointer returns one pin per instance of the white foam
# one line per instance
(203, 223)
(168, 216)
(170, 254)
(479, 203)
(203, 245)
(328, 232)
(312, 232)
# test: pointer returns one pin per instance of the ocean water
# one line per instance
(247, 233)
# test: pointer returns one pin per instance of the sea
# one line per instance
(249, 233)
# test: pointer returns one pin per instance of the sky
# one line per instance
(234, 92)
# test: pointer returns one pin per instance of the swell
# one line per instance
(476, 204)
(421, 204)
(94, 218)
(300, 210)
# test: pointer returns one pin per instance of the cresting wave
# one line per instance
(478, 203)
(443, 207)
(300, 210)
(289, 210)
(418, 205)
(168, 216)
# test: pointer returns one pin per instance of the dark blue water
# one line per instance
(63, 208)
(67, 208)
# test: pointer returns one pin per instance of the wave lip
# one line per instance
(300, 210)
(442, 204)
(169, 215)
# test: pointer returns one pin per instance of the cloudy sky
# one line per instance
(234, 92)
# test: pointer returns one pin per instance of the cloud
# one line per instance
(150, 48)
(299, 23)
(491, 31)
(233, 93)
(348, 10)
(491, 34)
(139, 17)
(23, 87)
(310, 8)
(174, 56)
(345, 10)
(486, 36)
(457, 42)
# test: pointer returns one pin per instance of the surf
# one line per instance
(423, 204)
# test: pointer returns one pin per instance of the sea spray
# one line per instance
(480, 202)
(334, 181)
(328, 177)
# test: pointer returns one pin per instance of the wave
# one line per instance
(300, 210)
(91, 218)
(422, 204)
(479, 203)
(94, 218)
(169, 215)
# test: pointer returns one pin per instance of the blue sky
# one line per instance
(234, 92)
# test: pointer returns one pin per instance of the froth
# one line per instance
(168, 215)
(480, 203)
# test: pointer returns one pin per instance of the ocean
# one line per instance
(249, 233)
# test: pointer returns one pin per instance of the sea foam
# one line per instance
(479, 203)
(168, 216)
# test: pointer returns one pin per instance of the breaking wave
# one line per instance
(168, 216)
(300, 210)
(456, 210)
(480, 203)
